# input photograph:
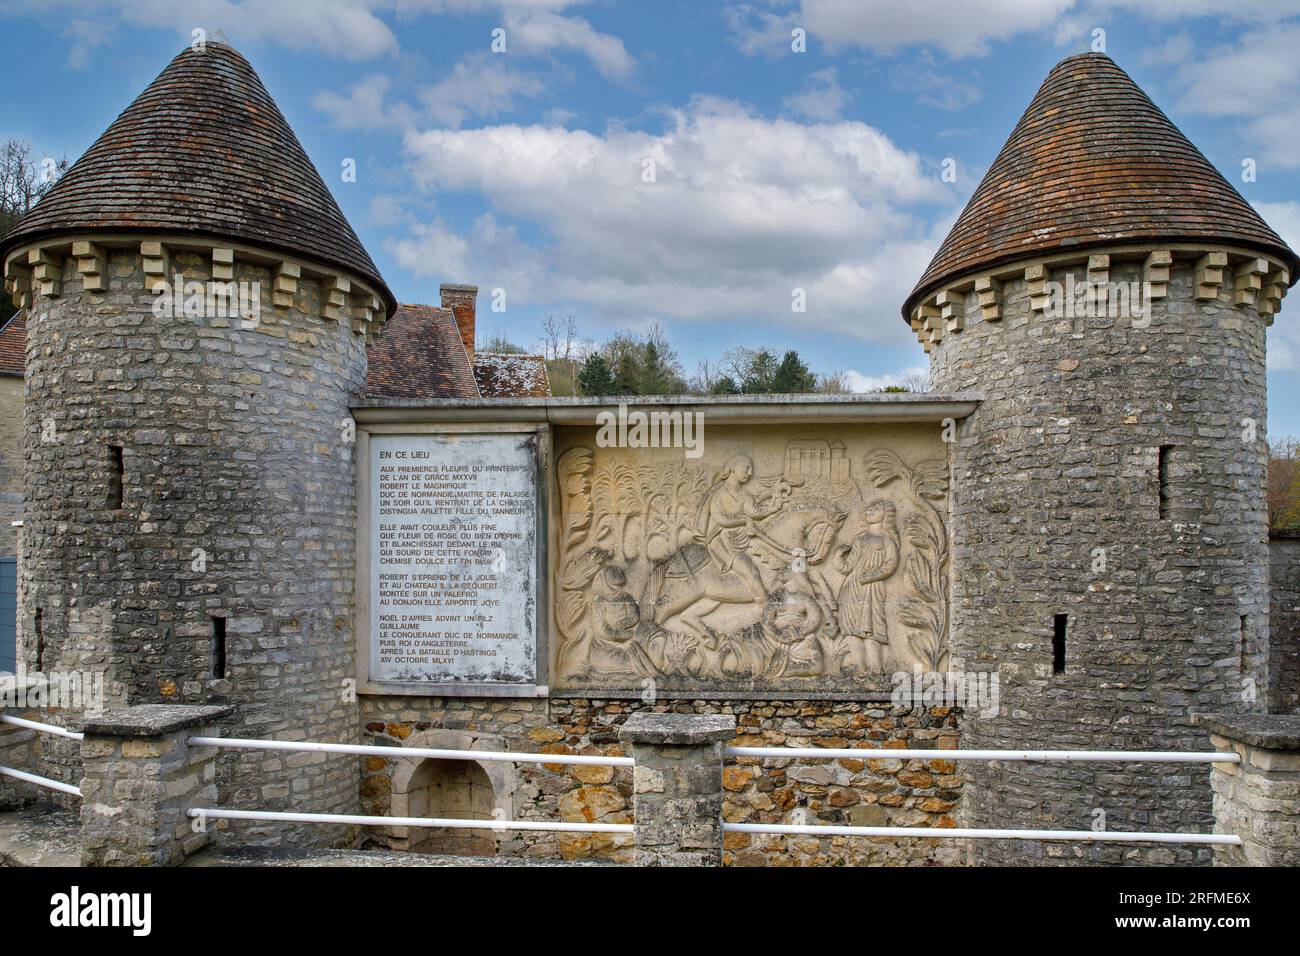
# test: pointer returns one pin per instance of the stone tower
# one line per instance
(1107, 291)
(198, 315)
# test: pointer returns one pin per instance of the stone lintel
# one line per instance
(151, 720)
(683, 730)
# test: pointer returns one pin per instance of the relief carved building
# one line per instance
(1077, 508)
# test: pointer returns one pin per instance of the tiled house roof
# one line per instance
(13, 345)
(1094, 162)
(419, 354)
(511, 376)
(203, 150)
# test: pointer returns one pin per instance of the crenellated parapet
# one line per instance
(42, 270)
(1245, 279)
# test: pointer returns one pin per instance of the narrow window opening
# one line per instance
(1245, 642)
(1060, 625)
(219, 647)
(117, 471)
(1162, 469)
(39, 628)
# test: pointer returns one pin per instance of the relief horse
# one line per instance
(689, 585)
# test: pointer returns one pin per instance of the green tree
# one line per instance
(595, 377)
(655, 378)
(792, 376)
(726, 385)
(760, 377)
(627, 374)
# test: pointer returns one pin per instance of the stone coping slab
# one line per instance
(679, 729)
(719, 409)
(1269, 731)
(152, 720)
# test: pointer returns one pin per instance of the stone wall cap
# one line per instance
(677, 728)
(152, 720)
(888, 407)
(1284, 534)
(1269, 731)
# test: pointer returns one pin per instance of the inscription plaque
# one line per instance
(453, 569)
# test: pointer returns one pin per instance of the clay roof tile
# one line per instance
(203, 150)
(1094, 162)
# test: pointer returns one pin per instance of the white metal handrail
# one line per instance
(455, 823)
(957, 833)
(400, 753)
(54, 729)
(1069, 756)
(45, 782)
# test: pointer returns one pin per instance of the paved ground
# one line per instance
(45, 835)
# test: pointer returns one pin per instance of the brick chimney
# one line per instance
(462, 300)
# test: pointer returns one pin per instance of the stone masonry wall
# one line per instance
(236, 503)
(1284, 622)
(1060, 460)
(874, 791)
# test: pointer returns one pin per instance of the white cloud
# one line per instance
(479, 85)
(344, 29)
(912, 377)
(1240, 11)
(966, 28)
(543, 31)
(1175, 51)
(959, 29)
(1254, 80)
(822, 99)
(364, 107)
(536, 27)
(85, 35)
(934, 88)
(348, 29)
(742, 211)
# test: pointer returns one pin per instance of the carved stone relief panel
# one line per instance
(799, 558)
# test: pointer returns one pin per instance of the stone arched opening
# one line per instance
(455, 789)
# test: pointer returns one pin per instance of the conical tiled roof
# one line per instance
(203, 150)
(1094, 162)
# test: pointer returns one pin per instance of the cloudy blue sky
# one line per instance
(522, 170)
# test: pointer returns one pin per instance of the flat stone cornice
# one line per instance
(717, 409)
(152, 720)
